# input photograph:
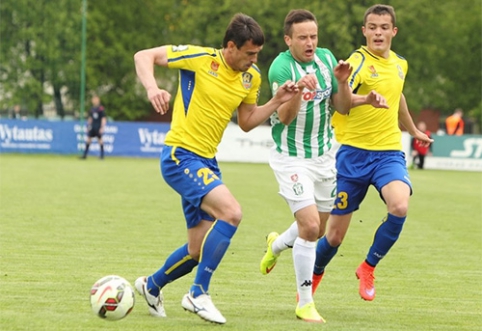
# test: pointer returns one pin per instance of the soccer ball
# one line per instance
(112, 298)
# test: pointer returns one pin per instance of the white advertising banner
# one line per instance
(254, 146)
(240, 146)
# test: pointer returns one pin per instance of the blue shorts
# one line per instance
(360, 168)
(192, 176)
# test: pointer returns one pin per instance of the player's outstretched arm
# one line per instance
(404, 116)
(342, 99)
(144, 61)
(288, 111)
(250, 116)
(407, 122)
(373, 98)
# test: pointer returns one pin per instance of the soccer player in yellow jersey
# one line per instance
(213, 83)
(371, 150)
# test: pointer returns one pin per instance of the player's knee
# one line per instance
(309, 230)
(335, 237)
(398, 209)
(235, 217)
(231, 214)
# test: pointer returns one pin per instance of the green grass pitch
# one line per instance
(64, 223)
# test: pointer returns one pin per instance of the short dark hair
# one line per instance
(241, 29)
(380, 10)
(297, 16)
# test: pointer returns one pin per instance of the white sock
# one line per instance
(286, 239)
(304, 254)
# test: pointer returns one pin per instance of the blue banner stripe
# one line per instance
(120, 138)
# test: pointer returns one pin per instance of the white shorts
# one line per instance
(305, 182)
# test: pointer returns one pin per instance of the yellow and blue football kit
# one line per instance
(371, 150)
(371, 138)
(209, 92)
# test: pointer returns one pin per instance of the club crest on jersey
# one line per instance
(373, 71)
(247, 78)
(400, 72)
(214, 66)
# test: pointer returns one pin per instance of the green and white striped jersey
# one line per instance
(310, 134)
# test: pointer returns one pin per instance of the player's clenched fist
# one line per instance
(159, 99)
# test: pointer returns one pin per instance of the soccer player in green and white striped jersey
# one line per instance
(303, 158)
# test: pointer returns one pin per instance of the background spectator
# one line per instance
(16, 113)
(454, 124)
(420, 150)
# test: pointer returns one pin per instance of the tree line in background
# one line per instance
(41, 47)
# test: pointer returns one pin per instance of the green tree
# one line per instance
(443, 45)
(41, 42)
(115, 31)
(38, 50)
